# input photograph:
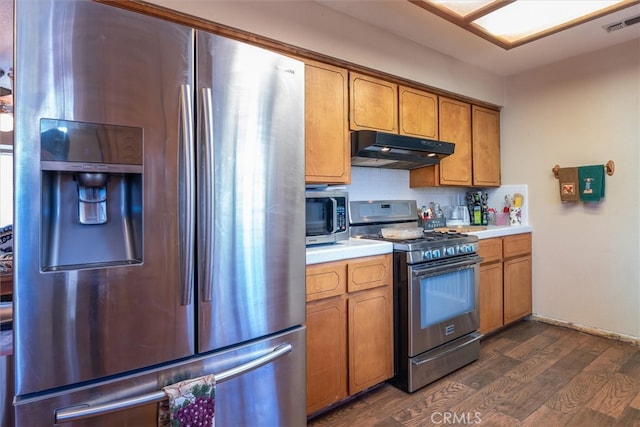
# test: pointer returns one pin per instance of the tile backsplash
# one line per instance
(392, 184)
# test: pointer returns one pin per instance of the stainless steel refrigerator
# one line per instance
(159, 230)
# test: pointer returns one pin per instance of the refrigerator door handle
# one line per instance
(188, 197)
(206, 192)
(84, 411)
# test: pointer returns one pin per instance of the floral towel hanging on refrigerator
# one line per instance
(191, 403)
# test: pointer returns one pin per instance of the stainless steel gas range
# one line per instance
(436, 278)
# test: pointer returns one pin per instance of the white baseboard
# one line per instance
(587, 329)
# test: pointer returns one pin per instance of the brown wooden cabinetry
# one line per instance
(383, 106)
(349, 328)
(517, 276)
(476, 160)
(505, 280)
(326, 352)
(327, 144)
(455, 126)
(486, 146)
(418, 113)
(491, 289)
(6, 284)
(373, 104)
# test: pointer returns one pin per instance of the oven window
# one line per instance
(446, 296)
(319, 216)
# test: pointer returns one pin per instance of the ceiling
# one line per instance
(416, 24)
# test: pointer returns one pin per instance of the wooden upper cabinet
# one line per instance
(327, 144)
(455, 126)
(418, 113)
(486, 147)
(374, 104)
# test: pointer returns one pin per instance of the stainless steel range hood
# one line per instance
(391, 151)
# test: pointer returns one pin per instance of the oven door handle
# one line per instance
(445, 266)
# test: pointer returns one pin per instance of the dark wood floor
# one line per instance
(531, 374)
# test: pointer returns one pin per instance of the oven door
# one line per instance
(442, 302)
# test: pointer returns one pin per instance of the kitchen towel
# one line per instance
(568, 178)
(191, 403)
(591, 179)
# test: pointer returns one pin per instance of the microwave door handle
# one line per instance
(334, 202)
(83, 411)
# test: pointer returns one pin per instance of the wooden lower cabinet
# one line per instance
(370, 338)
(349, 335)
(491, 296)
(326, 352)
(517, 288)
(505, 281)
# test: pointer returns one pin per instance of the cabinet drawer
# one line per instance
(490, 250)
(517, 244)
(326, 280)
(370, 272)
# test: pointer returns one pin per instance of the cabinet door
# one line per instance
(326, 352)
(486, 147)
(418, 113)
(374, 104)
(455, 126)
(517, 288)
(326, 280)
(328, 151)
(370, 338)
(491, 314)
(454, 118)
(369, 272)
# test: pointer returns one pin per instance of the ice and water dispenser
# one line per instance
(92, 193)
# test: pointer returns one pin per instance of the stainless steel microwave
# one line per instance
(327, 216)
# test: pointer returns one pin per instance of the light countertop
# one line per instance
(500, 231)
(352, 248)
(355, 248)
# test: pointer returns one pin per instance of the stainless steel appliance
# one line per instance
(327, 219)
(159, 229)
(392, 151)
(436, 278)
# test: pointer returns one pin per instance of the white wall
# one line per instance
(314, 27)
(581, 111)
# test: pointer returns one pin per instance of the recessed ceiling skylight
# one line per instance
(511, 23)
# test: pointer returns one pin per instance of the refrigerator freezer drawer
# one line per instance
(261, 383)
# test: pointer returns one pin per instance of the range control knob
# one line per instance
(451, 250)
